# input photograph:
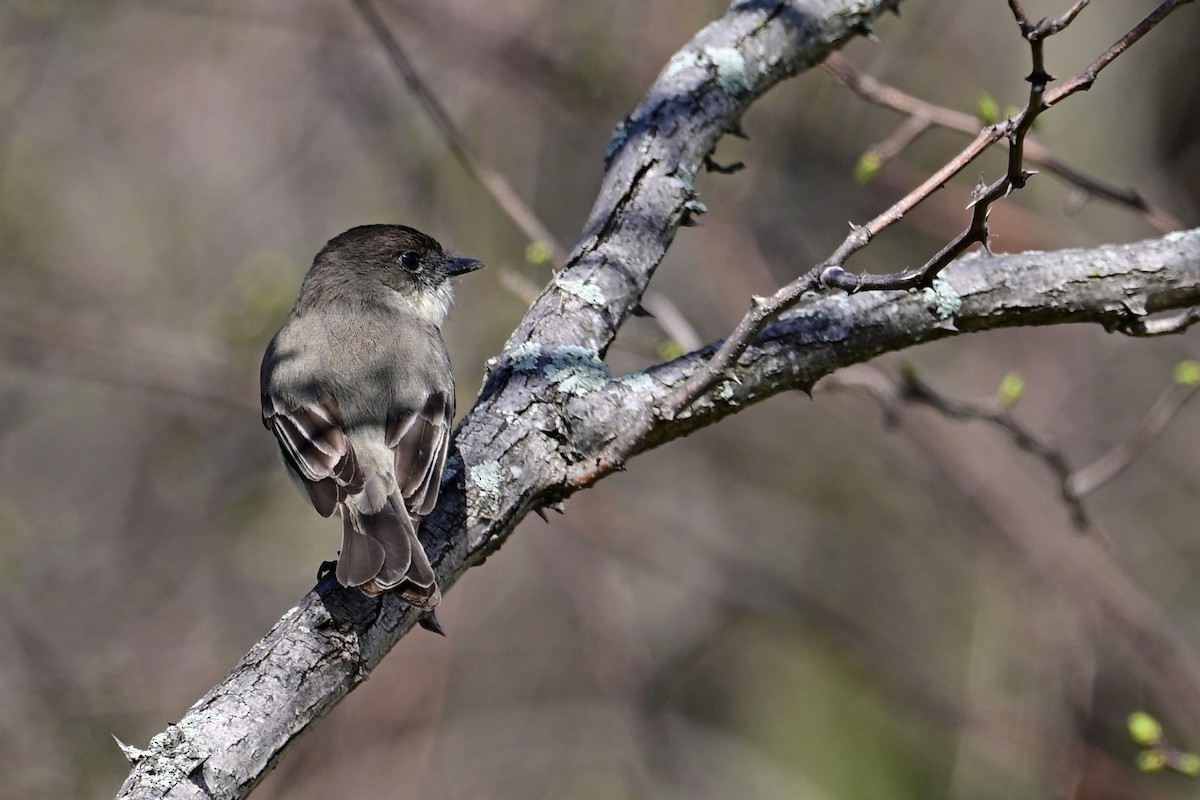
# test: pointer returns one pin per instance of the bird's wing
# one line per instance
(316, 448)
(420, 439)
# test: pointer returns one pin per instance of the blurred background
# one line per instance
(801, 601)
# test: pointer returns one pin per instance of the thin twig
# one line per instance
(1170, 325)
(900, 139)
(928, 113)
(487, 177)
(1074, 484)
(495, 183)
(914, 390)
(1090, 478)
(831, 274)
(672, 321)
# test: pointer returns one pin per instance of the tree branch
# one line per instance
(328, 644)
(550, 411)
(922, 115)
(1111, 286)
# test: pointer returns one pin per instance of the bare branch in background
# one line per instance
(1074, 484)
(483, 173)
(1090, 478)
(922, 115)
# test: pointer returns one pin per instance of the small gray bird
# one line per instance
(358, 390)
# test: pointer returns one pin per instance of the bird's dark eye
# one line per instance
(410, 260)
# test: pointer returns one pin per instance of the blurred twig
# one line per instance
(672, 320)
(490, 179)
(1088, 479)
(923, 114)
(119, 352)
(1168, 325)
(913, 390)
(1074, 484)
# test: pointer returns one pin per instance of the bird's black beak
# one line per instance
(461, 266)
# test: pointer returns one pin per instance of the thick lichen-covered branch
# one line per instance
(516, 448)
(549, 410)
(1116, 286)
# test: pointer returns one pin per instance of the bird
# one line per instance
(358, 390)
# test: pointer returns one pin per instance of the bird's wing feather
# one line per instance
(315, 446)
(420, 438)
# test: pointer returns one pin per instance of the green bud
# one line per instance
(1151, 760)
(987, 109)
(1011, 388)
(537, 253)
(1187, 373)
(670, 350)
(867, 168)
(1144, 729)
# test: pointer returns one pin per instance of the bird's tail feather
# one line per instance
(381, 552)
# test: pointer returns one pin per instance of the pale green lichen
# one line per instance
(586, 292)
(573, 370)
(171, 756)
(731, 69)
(638, 382)
(686, 173)
(526, 358)
(619, 136)
(729, 64)
(943, 300)
(679, 62)
(487, 480)
(576, 370)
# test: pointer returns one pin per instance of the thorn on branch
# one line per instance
(429, 622)
(132, 754)
(860, 235)
(978, 192)
(1039, 78)
(721, 169)
(985, 238)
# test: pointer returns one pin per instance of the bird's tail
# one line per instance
(381, 552)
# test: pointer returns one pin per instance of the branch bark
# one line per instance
(549, 407)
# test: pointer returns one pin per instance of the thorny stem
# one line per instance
(923, 114)
(830, 273)
(1073, 484)
(914, 390)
